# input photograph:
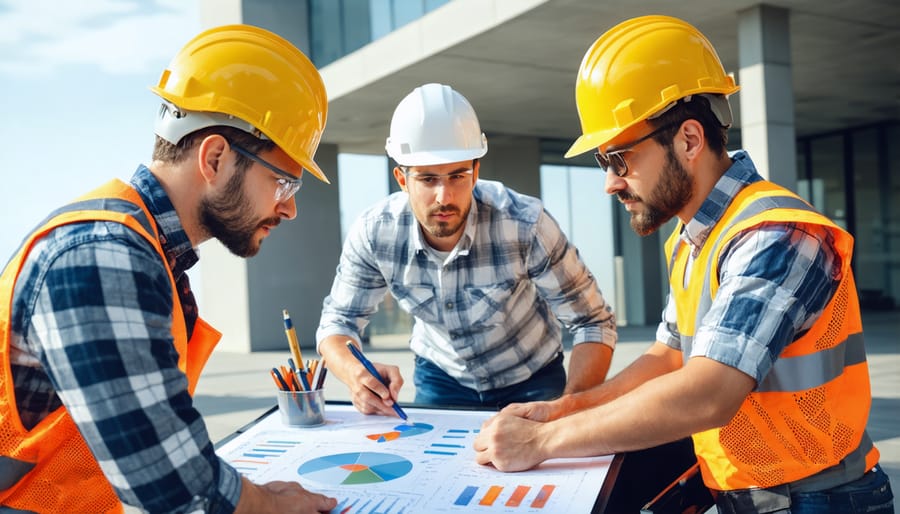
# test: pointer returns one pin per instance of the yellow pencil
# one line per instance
(292, 340)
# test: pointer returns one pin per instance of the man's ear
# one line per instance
(400, 177)
(211, 155)
(691, 139)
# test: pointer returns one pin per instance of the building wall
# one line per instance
(849, 175)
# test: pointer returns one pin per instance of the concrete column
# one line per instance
(244, 298)
(515, 161)
(766, 96)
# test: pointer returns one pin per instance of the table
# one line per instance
(376, 464)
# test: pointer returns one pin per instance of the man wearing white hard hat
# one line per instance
(485, 271)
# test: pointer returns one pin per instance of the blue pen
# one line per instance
(365, 362)
(301, 376)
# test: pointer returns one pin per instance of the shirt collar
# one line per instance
(177, 246)
(741, 173)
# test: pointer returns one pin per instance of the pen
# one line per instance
(280, 380)
(278, 383)
(371, 369)
(322, 371)
(291, 334)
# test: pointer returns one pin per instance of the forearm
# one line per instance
(588, 366)
(337, 357)
(657, 360)
(663, 409)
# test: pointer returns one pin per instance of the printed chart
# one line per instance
(401, 430)
(355, 468)
(373, 465)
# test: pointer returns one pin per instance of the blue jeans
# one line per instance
(870, 493)
(435, 387)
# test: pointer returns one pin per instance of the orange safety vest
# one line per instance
(50, 467)
(809, 413)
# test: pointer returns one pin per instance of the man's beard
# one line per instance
(445, 229)
(673, 191)
(229, 218)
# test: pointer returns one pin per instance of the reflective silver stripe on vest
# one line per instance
(12, 470)
(808, 371)
(10, 510)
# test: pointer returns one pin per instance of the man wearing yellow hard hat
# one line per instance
(102, 345)
(759, 356)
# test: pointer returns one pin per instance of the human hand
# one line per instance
(535, 411)
(281, 498)
(369, 395)
(510, 442)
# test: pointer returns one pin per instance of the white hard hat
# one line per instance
(434, 125)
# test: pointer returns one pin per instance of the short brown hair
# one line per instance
(165, 151)
(696, 109)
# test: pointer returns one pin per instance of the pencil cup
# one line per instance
(302, 408)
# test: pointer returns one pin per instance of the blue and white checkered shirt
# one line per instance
(91, 330)
(775, 281)
(487, 315)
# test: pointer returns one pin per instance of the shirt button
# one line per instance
(449, 305)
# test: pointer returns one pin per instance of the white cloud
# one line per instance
(38, 37)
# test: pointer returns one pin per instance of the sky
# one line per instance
(75, 99)
(77, 110)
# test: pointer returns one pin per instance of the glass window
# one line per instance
(827, 159)
(380, 18)
(431, 5)
(405, 11)
(889, 149)
(362, 181)
(870, 235)
(325, 28)
(568, 193)
(355, 27)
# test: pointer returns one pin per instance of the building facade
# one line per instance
(819, 112)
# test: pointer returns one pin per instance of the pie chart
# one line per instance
(402, 430)
(355, 468)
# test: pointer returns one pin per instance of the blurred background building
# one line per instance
(819, 112)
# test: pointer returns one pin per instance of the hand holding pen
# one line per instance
(374, 372)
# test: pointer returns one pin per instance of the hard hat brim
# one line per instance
(439, 157)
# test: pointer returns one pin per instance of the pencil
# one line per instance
(371, 369)
(294, 344)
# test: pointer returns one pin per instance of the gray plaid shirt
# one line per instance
(488, 314)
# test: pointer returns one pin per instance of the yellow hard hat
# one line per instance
(638, 68)
(249, 78)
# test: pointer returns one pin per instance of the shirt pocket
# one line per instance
(487, 306)
(418, 300)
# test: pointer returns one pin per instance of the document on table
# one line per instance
(378, 464)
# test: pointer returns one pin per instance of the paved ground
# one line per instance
(236, 388)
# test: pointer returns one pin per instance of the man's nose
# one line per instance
(614, 183)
